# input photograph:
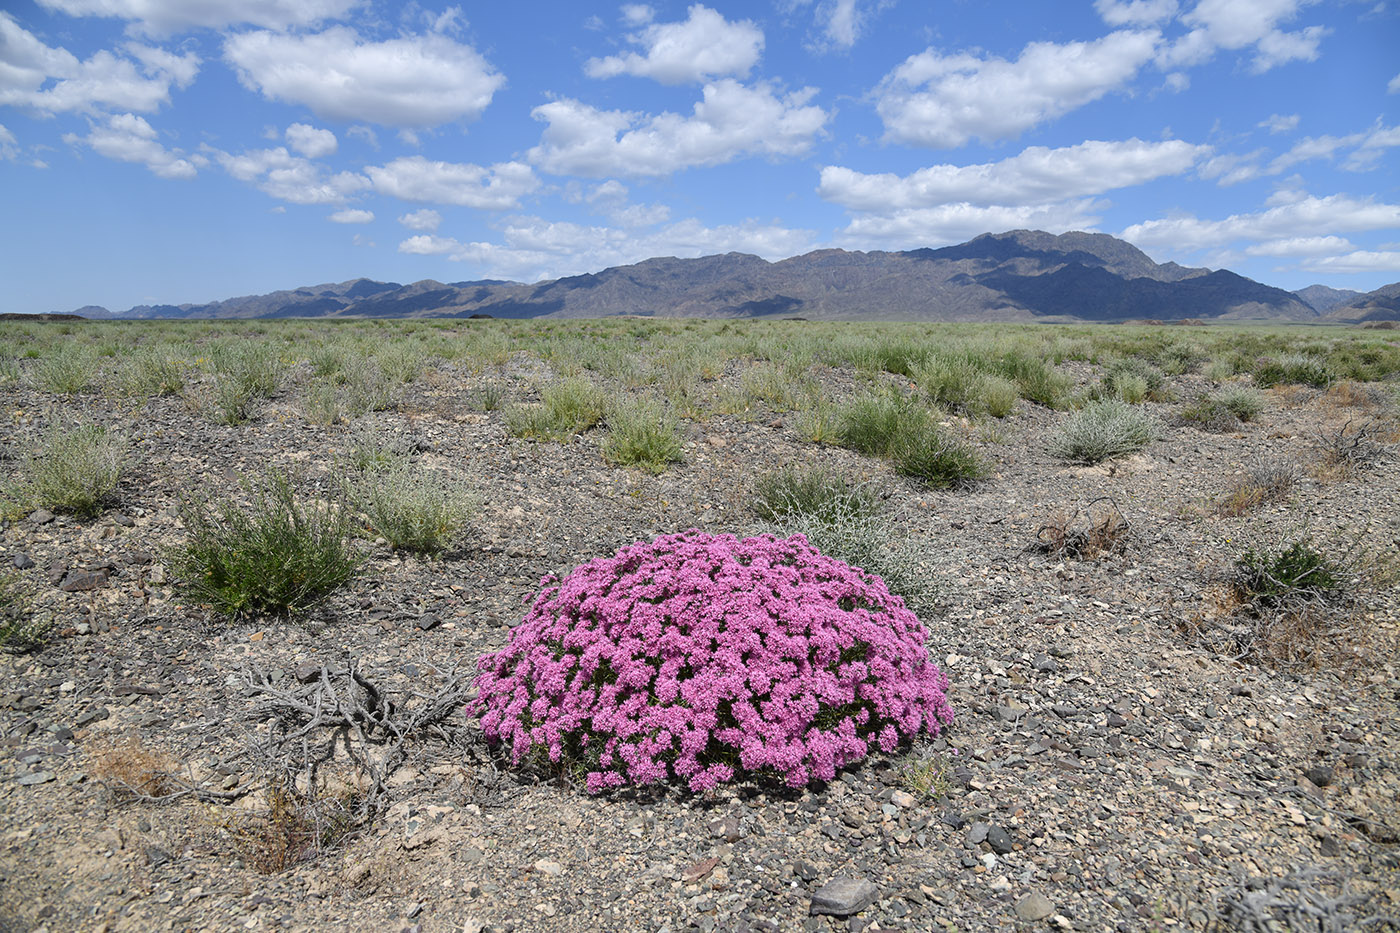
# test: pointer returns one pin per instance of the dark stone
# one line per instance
(1045, 664)
(978, 832)
(156, 856)
(841, 897)
(427, 622)
(1320, 775)
(96, 714)
(80, 581)
(23, 561)
(1000, 840)
(308, 673)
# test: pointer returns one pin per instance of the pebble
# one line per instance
(841, 897)
(34, 777)
(1034, 906)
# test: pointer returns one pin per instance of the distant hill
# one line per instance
(1383, 304)
(1024, 275)
(1323, 299)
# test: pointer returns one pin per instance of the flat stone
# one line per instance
(96, 714)
(903, 799)
(1320, 775)
(977, 833)
(34, 777)
(1045, 664)
(41, 516)
(23, 561)
(427, 622)
(79, 581)
(841, 897)
(699, 870)
(1000, 840)
(550, 868)
(1034, 906)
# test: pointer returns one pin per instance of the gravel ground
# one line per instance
(1109, 767)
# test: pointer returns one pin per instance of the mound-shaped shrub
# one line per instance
(697, 657)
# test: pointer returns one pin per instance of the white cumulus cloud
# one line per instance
(1321, 217)
(166, 16)
(731, 121)
(498, 187)
(1300, 246)
(1035, 176)
(1361, 260)
(53, 80)
(352, 216)
(1242, 24)
(427, 219)
(944, 101)
(418, 81)
(953, 223)
(290, 178)
(129, 138)
(703, 46)
(311, 141)
(1135, 12)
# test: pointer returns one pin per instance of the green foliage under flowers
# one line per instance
(21, 630)
(1102, 430)
(73, 469)
(277, 555)
(413, 511)
(1272, 577)
(642, 433)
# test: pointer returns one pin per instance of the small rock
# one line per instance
(41, 516)
(1320, 775)
(308, 673)
(903, 799)
(427, 622)
(699, 870)
(726, 828)
(550, 868)
(34, 777)
(23, 561)
(80, 581)
(97, 714)
(1000, 840)
(841, 897)
(156, 856)
(977, 833)
(1034, 906)
(1045, 664)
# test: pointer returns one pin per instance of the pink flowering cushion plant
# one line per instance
(699, 656)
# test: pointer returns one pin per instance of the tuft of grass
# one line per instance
(567, 408)
(1292, 369)
(887, 425)
(845, 522)
(489, 396)
(73, 469)
(134, 769)
(321, 403)
(367, 451)
(1134, 381)
(68, 370)
(21, 631)
(276, 556)
(1102, 430)
(1209, 413)
(642, 433)
(1241, 401)
(935, 459)
(1270, 481)
(812, 492)
(925, 773)
(413, 511)
(150, 371)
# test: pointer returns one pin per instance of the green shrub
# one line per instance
(151, 371)
(74, 469)
(642, 433)
(21, 630)
(489, 396)
(321, 403)
(935, 459)
(275, 556)
(887, 425)
(369, 451)
(367, 388)
(1242, 402)
(1292, 368)
(1101, 430)
(413, 511)
(569, 407)
(873, 423)
(68, 370)
(1210, 414)
(812, 492)
(1295, 572)
(1134, 381)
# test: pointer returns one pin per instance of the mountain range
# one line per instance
(1022, 276)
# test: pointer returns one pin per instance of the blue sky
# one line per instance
(168, 151)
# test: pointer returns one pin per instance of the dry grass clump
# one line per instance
(131, 769)
(1352, 448)
(1086, 532)
(1264, 483)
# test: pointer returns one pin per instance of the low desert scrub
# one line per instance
(320, 402)
(1352, 448)
(696, 658)
(365, 386)
(21, 629)
(903, 431)
(1085, 532)
(1296, 573)
(68, 370)
(490, 395)
(925, 773)
(1101, 430)
(1306, 900)
(1134, 381)
(414, 511)
(368, 450)
(131, 770)
(642, 433)
(1209, 413)
(72, 469)
(277, 555)
(846, 522)
(1292, 369)
(150, 371)
(1264, 483)
(567, 408)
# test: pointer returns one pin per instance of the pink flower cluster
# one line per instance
(698, 656)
